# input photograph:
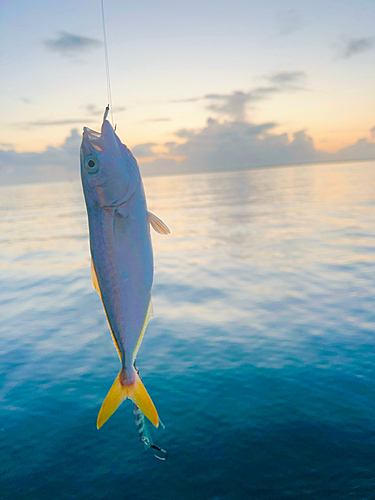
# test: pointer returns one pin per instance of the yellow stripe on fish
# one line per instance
(95, 283)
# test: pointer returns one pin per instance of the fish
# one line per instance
(121, 256)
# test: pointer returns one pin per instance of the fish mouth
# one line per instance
(93, 138)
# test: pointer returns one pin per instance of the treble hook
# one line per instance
(161, 451)
(147, 443)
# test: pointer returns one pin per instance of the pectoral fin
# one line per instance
(157, 224)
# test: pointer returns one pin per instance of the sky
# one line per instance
(196, 85)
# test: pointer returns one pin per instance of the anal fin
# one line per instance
(94, 279)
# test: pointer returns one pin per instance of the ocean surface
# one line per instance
(260, 357)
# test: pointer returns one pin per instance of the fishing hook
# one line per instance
(147, 443)
(161, 451)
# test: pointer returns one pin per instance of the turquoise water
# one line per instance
(260, 357)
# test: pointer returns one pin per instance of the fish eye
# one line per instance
(91, 164)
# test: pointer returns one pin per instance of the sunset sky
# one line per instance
(289, 66)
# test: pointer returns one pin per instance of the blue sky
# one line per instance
(296, 66)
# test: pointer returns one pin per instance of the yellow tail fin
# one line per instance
(119, 392)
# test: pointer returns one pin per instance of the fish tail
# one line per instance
(135, 391)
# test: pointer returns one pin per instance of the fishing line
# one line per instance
(109, 92)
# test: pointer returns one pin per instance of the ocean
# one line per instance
(260, 357)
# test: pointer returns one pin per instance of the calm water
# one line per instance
(260, 357)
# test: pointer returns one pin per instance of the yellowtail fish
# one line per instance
(122, 260)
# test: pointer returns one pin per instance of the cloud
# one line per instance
(156, 120)
(235, 104)
(53, 164)
(288, 22)
(67, 44)
(52, 123)
(360, 150)
(231, 104)
(219, 145)
(26, 100)
(143, 150)
(93, 110)
(170, 144)
(372, 131)
(240, 145)
(357, 46)
(188, 99)
(287, 77)
(6, 145)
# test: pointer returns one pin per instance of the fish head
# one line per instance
(109, 171)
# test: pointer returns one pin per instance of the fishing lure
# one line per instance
(145, 434)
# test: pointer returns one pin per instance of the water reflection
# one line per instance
(42, 227)
(260, 353)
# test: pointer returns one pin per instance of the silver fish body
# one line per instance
(122, 258)
(121, 252)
